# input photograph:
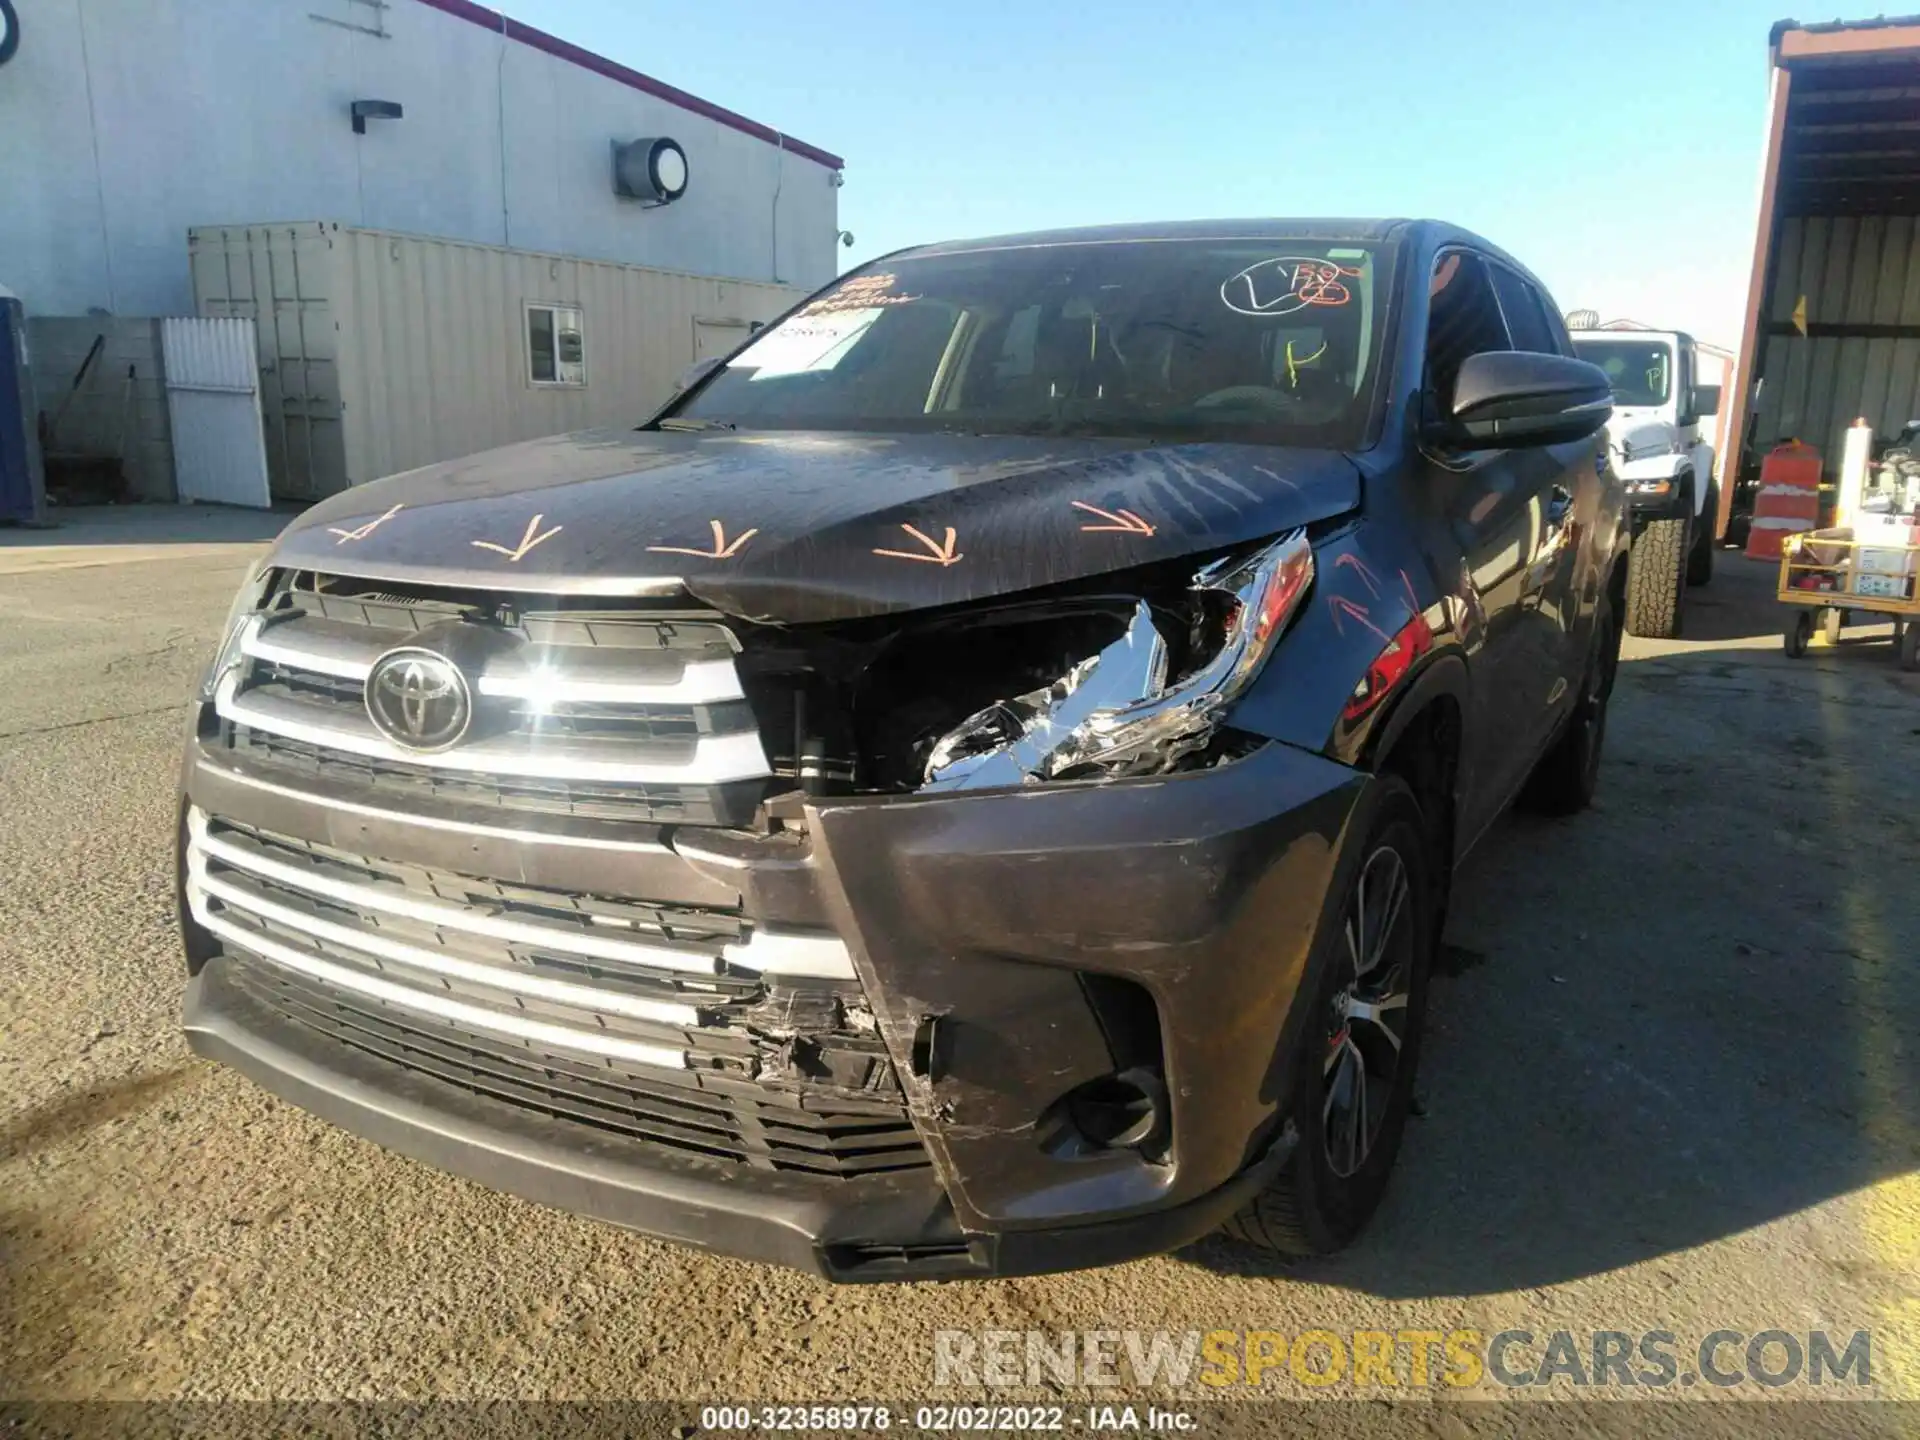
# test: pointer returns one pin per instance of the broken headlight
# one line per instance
(1115, 713)
(233, 634)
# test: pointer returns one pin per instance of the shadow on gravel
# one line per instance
(1687, 1013)
(51, 1277)
(69, 1115)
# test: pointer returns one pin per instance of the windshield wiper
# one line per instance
(690, 426)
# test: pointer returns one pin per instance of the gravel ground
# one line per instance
(1671, 1083)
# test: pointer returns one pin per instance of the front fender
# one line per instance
(1377, 619)
(1702, 458)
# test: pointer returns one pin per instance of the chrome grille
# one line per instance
(681, 1026)
(608, 713)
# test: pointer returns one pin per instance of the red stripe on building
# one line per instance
(599, 64)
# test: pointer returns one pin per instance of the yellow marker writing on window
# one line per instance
(1293, 365)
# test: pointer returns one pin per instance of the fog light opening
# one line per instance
(1124, 1111)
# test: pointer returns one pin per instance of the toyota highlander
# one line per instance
(970, 787)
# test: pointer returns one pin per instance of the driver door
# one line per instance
(1508, 511)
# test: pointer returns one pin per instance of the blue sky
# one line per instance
(1615, 148)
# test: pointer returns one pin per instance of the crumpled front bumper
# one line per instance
(987, 928)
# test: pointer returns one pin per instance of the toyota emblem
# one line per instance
(419, 700)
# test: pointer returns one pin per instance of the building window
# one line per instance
(556, 347)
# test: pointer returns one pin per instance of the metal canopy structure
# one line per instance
(1829, 330)
(1851, 141)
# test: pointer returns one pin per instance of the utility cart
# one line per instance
(1870, 566)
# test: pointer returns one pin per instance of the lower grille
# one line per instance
(676, 1026)
(764, 1130)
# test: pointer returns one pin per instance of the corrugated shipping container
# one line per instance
(380, 352)
(1857, 272)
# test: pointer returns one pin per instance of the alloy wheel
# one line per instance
(1367, 1027)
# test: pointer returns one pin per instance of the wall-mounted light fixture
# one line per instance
(365, 110)
(653, 170)
(9, 31)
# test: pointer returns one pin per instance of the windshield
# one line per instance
(1640, 371)
(1274, 341)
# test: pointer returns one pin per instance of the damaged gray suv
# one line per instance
(969, 788)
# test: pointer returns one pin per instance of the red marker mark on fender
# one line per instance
(1390, 667)
(721, 549)
(937, 554)
(361, 532)
(527, 541)
(1340, 605)
(1359, 567)
(1125, 522)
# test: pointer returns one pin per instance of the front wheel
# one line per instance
(1656, 579)
(1353, 1080)
(1799, 632)
(1909, 643)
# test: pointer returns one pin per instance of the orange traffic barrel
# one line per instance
(1788, 500)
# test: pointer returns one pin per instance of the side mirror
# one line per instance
(1511, 398)
(696, 372)
(1706, 401)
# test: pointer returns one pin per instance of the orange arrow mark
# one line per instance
(721, 549)
(360, 532)
(527, 541)
(936, 554)
(1125, 522)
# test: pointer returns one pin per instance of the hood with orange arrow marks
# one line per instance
(789, 527)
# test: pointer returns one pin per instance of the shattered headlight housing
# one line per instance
(233, 634)
(1114, 713)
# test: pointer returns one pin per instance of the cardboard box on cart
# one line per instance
(1883, 563)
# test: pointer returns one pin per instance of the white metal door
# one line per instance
(213, 401)
(716, 337)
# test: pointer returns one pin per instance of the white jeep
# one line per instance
(1656, 443)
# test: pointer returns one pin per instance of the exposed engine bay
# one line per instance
(1124, 677)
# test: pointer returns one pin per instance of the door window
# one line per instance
(1463, 318)
(1526, 318)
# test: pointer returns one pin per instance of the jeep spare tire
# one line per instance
(1656, 579)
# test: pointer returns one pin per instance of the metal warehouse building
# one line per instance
(1833, 310)
(489, 212)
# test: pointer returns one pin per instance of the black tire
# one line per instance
(1832, 621)
(1321, 1200)
(1656, 577)
(1910, 645)
(1700, 557)
(1799, 632)
(1565, 778)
